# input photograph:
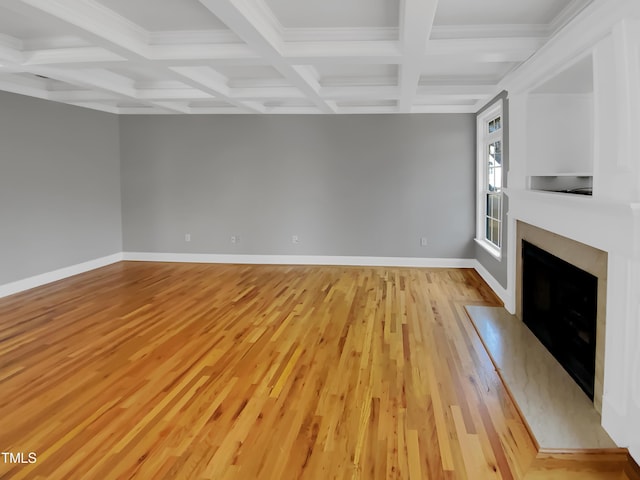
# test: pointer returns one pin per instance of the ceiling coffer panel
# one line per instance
(271, 56)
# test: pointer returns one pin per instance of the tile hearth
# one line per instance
(558, 412)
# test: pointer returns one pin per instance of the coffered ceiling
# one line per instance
(271, 56)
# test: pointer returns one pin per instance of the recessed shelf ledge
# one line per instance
(571, 174)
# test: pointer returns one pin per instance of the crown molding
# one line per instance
(589, 26)
(567, 14)
(57, 41)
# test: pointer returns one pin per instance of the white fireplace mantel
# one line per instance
(606, 35)
(607, 225)
(614, 228)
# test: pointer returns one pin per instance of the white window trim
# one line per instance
(482, 139)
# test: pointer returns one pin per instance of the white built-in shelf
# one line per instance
(564, 183)
(571, 174)
(560, 131)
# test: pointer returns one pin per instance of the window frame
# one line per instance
(484, 139)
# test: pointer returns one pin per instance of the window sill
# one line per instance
(490, 248)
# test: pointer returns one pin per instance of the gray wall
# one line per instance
(498, 268)
(59, 186)
(347, 185)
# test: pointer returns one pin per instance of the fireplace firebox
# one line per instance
(559, 305)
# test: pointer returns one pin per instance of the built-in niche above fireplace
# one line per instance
(559, 305)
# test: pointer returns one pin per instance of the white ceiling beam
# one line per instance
(319, 53)
(153, 94)
(89, 78)
(102, 85)
(416, 22)
(34, 87)
(205, 76)
(485, 49)
(367, 109)
(213, 82)
(94, 56)
(499, 30)
(213, 53)
(180, 107)
(343, 52)
(218, 110)
(450, 89)
(81, 96)
(361, 92)
(100, 40)
(251, 25)
(329, 53)
(71, 56)
(104, 28)
(101, 80)
(338, 34)
(443, 109)
(442, 98)
(293, 110)
(91, 21)
(173, 94)
(265, 93)
(96, 106)
(23, 86)
(143, 110)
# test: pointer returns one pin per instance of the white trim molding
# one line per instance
(55, 275)
(62, 273)
(301, 260)
(503, 294)
(359, 261)
(484, 139)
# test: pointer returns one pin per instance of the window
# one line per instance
(490, 175)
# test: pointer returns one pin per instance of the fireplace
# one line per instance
(580, 257)
(559, 305)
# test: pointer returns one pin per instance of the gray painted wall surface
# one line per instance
(498, 268)
(59, 186)
(347, 185)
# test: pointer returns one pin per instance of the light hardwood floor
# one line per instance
(189, 371)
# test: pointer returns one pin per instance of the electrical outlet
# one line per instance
(187, 237)
(295, 239)
(235, 238)
(423, 242)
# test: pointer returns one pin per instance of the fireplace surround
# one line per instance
(583, 257)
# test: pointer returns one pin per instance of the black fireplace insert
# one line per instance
(559, 305)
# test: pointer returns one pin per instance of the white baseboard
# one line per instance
(502, 293)
(48, 277)
(55, 275)
(301, 260)
(615, 423)
(499, 290)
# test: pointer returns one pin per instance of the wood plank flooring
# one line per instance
(190, 371)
